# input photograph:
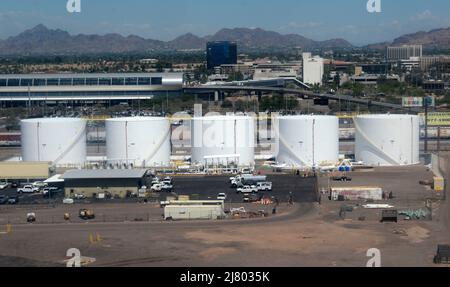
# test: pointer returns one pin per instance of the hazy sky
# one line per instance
(167, 19)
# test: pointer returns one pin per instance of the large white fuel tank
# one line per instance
(223, 140)
(61, 141)
(387, 140)
(138, 141)
(307, 140)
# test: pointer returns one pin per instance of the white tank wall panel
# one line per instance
(219, 136)
(61, 141)
(387, 140)
(307, 140)
(141, 141)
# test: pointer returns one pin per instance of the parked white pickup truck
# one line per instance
(27, 189)
(247, 189)
(264, 186)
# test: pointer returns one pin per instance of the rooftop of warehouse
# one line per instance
(90, 75)
(104, 173)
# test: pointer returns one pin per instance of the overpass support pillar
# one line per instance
(216, 96)
(259, 96)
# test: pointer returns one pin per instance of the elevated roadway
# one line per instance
(299, 92)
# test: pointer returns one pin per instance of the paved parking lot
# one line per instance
(208, 187)
(203, 188)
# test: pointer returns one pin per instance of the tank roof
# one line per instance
(300, 117)
(223, 117)
(387, 116)
(52, 120)
(136, 119)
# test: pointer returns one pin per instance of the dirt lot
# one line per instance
(403, 182)
(306, 234)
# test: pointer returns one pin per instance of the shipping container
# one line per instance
(194, 210)
(356, 193)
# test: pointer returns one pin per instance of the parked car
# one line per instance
(168, 180)
(68, 201)
(221, 196)
(166, 187)
(27, 189)
(251, 198)
(13, 200)
(3, 199)
(4, 185)
(79, 196)
(39, 184)
(264, 186)
(157, 187)
(247, 189)
(15, 184)
(155, 181)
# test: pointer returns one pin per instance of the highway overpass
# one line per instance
(299, 92)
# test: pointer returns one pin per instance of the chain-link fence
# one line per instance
(17, 219)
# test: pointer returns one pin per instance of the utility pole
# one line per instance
(439, 140)
(29, 101)
(426, 125)
(167, 101)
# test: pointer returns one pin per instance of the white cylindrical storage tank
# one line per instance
(223, 140)
(307, 140)
(140, 141)
(61, 141)
(387, 140)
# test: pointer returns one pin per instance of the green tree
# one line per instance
(227, 104)
(239, 106)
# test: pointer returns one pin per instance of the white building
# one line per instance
(313, 68)
(277, 70)
(410, 64)
(404, 52)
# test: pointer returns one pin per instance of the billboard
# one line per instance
(438, 119)
(412, 102)
(418, 102)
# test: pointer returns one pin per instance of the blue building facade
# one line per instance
(221, 53)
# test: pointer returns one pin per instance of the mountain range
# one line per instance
(434, 39)
(41, 40)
